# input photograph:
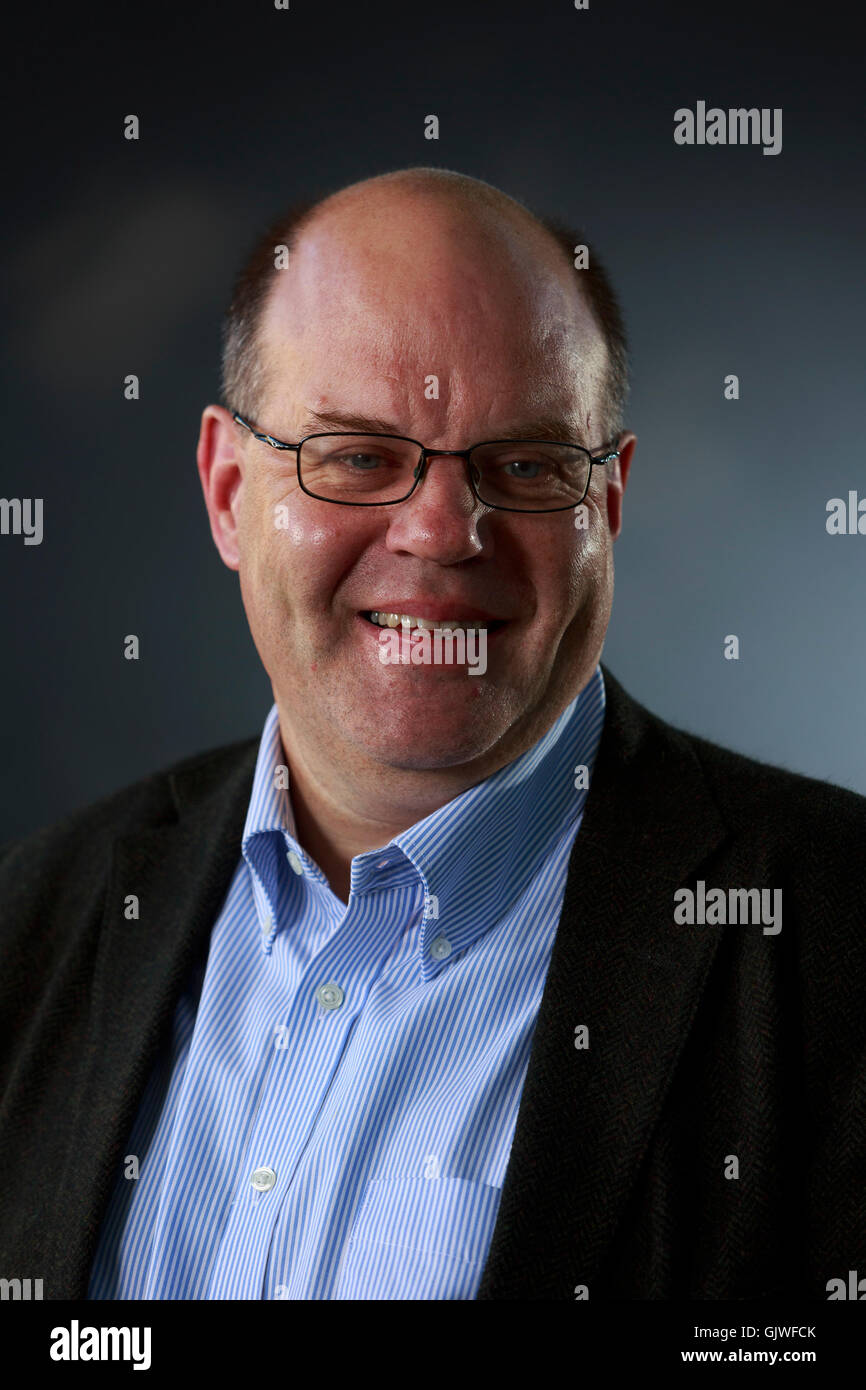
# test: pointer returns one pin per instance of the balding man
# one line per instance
(469, 977)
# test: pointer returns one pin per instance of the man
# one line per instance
(457, 983)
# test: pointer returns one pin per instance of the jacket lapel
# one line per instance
(622, 967)
(180, 873)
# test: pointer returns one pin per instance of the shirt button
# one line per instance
(295, 862)
(330, 996)
(263, 1179)
(383, 863)
(440, 948)
(266, 925)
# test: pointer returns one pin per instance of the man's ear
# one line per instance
(220, 462)
(616, 479)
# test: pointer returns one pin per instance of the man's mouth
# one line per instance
(408, 622)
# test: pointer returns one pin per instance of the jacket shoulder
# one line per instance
(147, 802)
(749, 793)
(54, 884)
(748, 789)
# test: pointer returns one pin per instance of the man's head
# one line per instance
(389, 282)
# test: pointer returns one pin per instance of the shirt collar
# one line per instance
(475, 855)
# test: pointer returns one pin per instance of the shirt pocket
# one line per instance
(419, 1238)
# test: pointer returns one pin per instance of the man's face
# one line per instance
(379, 297)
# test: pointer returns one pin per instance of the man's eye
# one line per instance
(360, 462)
(522, 468)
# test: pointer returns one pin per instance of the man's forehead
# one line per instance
(390, 252)
(397, 295)
(400, 370)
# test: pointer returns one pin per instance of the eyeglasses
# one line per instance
(377, 470)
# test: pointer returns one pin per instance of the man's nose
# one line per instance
(440, 517)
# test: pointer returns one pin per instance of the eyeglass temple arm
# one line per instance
(606, 458)
(265, 438)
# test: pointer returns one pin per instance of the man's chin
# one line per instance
(427, 741)
(423, 760)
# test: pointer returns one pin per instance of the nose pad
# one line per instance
(474, 471)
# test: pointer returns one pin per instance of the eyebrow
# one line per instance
(552, 427)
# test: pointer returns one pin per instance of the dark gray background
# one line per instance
(120, 257)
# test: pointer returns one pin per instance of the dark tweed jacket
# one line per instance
(705, 1042)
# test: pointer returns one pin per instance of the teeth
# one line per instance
(406, 621)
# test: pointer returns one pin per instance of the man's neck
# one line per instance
(342, 810)
(333, 835)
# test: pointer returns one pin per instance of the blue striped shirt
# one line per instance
(333, 1113)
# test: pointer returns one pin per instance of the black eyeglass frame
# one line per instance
(420, 469)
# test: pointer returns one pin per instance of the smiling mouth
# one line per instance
(405, 622)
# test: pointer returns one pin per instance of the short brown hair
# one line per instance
(243, 371)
